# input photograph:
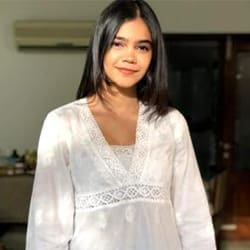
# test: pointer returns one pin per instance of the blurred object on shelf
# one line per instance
(30, 157)
(14, 157)
(11, 163)
(11, 170)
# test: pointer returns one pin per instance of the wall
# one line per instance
(34, 82)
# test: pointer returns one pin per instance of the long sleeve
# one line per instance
(50, 224)
(189, 199)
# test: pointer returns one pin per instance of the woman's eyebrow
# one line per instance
(145, 41)
(139, 41)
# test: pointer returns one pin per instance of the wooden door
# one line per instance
(242, 119)
(236, 136)
(235, 142)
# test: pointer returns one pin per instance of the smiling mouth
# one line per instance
(127, 71)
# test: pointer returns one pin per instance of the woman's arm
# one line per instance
(50, 224)
(188, 195)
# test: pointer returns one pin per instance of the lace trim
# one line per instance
(124, 154)
(96, 137)
(141, 147)
(127, 193)
(123, 150)
(117, 170)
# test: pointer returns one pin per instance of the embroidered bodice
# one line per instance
(88, 195)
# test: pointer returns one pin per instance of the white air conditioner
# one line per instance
(53, 34)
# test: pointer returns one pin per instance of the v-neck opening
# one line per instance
(102, 134)
(105, 141)
(105, 151)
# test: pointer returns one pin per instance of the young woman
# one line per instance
(116, 169)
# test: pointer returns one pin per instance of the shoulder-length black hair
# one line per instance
(152, 89)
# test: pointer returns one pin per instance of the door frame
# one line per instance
(234, 44)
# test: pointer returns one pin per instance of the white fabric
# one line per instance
(124, 153)
(84, 198)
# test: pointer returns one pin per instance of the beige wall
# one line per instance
(34, 82)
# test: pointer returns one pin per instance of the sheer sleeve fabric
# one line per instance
(50, 224)
(189, 199)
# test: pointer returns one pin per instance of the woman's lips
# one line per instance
(127, 71)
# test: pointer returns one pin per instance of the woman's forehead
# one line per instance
(135, 29)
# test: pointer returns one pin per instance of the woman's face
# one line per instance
(129, 57)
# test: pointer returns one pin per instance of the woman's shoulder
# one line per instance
(176, 120)
(175, 116)
(68, 109)
(65, 114)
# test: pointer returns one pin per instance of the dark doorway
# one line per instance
(242, 122)
(238, 205)
(209, 82)
(195, 66)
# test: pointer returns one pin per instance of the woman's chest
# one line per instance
(95, 164)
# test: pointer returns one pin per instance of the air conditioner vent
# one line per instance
(53, 34)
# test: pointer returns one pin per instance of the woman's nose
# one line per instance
(130, 56)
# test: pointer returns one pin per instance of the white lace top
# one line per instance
(124, 154)
(88, 195)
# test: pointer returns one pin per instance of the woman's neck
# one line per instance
(117, 100)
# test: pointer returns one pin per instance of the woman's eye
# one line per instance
(144, 48)
(117, 44)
